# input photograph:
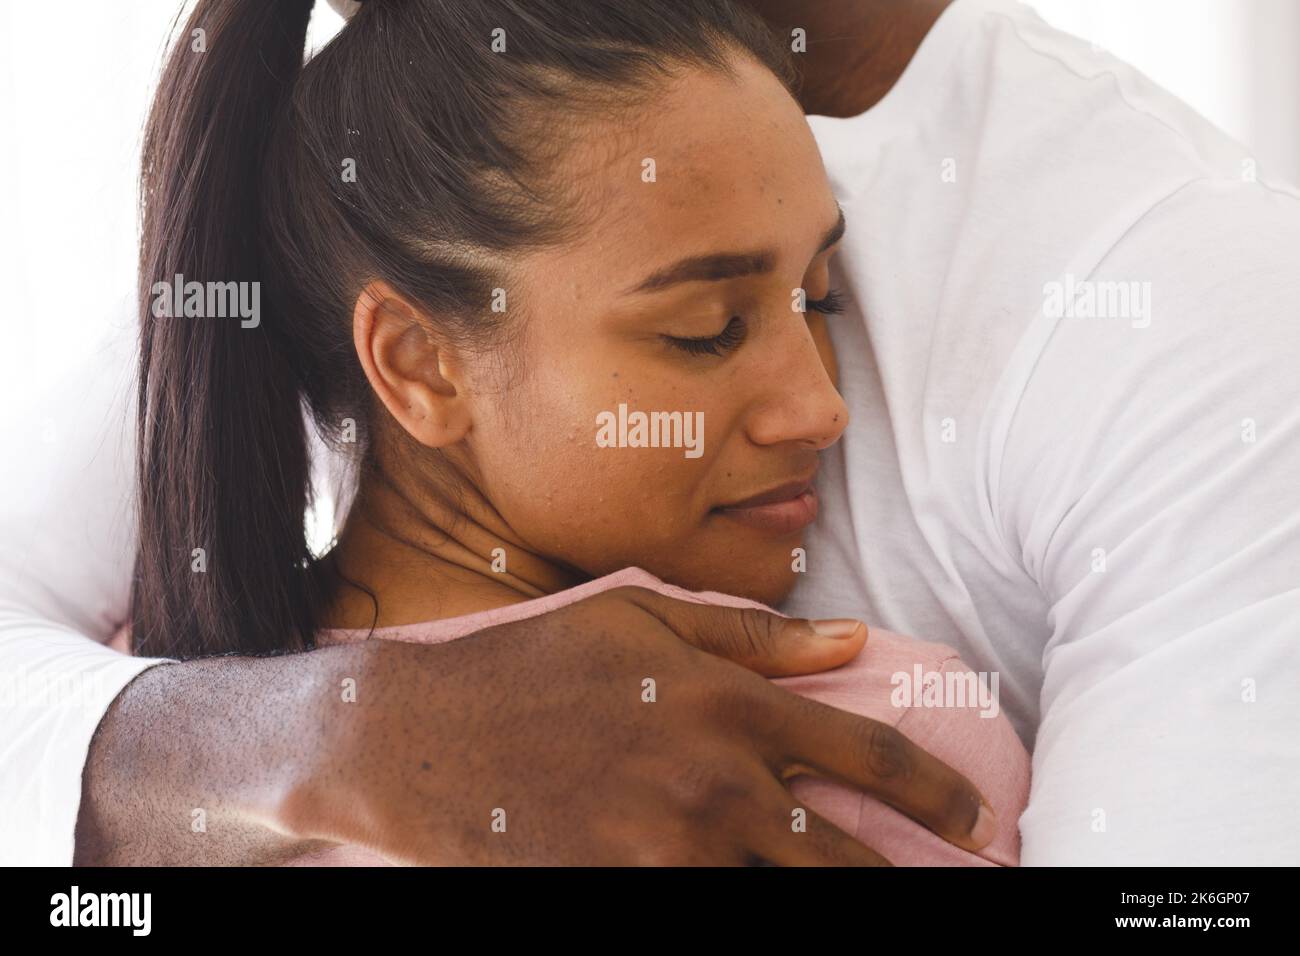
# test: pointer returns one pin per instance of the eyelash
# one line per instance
(733, 335)
(726, 340)
(832, 303)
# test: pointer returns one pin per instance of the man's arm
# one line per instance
(526, 743)
(1151, 481)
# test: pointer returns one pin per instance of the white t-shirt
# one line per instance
(1073, 374)
(1071, 502)
(67, 545)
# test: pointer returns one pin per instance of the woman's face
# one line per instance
(709, 211)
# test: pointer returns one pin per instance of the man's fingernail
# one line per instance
(986, 826)
(839, 628)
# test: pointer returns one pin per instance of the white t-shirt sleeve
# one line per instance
(1149, 474)
(67, 543)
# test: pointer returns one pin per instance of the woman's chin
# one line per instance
(771, 592)
(750, 578)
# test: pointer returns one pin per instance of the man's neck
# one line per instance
(857, 49)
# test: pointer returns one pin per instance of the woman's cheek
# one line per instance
(544, 473)
(566, 482)
(603, 508)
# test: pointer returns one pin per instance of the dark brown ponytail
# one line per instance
(223, 463)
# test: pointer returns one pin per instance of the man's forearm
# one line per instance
(407, 750)
(199, 762)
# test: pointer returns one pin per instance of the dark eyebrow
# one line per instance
(726, 265)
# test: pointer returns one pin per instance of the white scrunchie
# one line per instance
(345, 8)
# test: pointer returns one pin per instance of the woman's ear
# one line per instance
(417, 378)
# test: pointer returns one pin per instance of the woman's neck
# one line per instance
(424, 560)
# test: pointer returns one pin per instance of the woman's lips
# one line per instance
(783, 510)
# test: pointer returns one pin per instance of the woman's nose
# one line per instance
(800, 403)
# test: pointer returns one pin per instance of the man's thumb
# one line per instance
(763, 641)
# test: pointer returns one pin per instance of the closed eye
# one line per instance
(832, 303)
(725, 341)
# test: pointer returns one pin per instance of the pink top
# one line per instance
(983, 748)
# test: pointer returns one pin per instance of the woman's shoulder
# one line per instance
(446, 629)
(888, 647)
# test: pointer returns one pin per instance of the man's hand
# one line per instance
(541, 725)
